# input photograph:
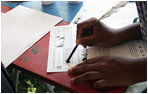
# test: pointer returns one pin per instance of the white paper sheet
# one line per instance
(21, 28)
(97, 8)
(62, 42)
(131, 49)
(137, 88)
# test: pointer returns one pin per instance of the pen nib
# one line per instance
(67, 61)
(84, 59)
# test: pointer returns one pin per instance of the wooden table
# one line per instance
(34, 60)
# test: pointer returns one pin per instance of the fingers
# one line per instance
(89, 61)
(92, 75)
(84, 66)
(88, 41)
(79, 34)
(81, 27)
(89, 65)
(100, 83)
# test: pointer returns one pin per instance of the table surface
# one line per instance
(34, 60)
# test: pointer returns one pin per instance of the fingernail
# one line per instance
(70, 70)
(78, 42)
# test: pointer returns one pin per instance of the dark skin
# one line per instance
(109, 71)
(105, 35)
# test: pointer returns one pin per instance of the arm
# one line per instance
(105, 35)
(130, 32)
(139, 69)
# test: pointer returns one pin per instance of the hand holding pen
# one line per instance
(82, 32)
(92, 32)
(86, 35)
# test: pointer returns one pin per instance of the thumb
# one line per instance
(87, 41)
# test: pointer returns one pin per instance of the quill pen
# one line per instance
(89, 31)
(113, 10)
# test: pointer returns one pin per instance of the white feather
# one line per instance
(114, 9)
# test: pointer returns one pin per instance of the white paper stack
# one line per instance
(21, 28)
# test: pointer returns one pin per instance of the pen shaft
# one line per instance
(68, 60)
(88, 32)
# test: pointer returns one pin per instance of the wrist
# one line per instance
(138, 70)
(128, 33)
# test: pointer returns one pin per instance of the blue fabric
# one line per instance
(59, 8)
(6, 83)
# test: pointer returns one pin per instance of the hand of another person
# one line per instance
(110, 71)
